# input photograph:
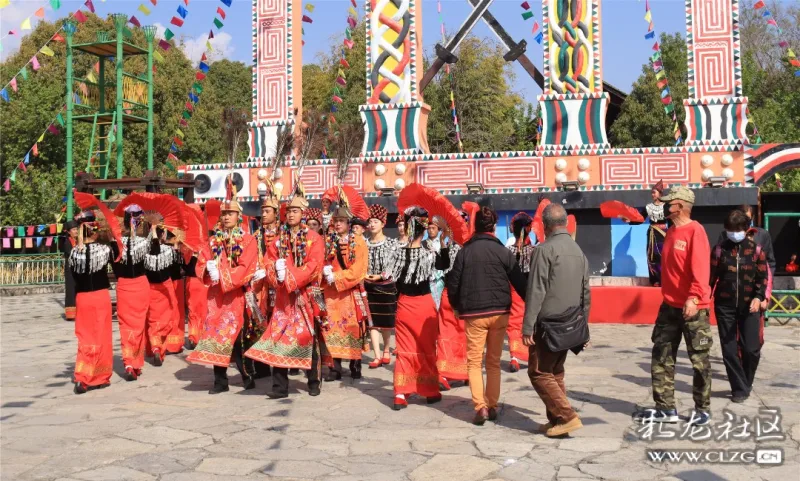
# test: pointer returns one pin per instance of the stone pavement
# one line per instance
(166, 427)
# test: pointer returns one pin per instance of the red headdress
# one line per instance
(170, 208)
(349, 200)
(471, 210)
(213, 211)
(437, 205)
(88, 201)
(538, 224)
(377, 211)
(659, 186)
(313, 213)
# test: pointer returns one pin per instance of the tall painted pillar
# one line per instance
(573, 102)
(715, 109)
(395, 115)
(277, 72)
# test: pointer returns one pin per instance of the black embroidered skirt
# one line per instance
(382, 299)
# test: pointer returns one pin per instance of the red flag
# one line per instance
(52, 129)
(344, 63)
(354, 3)
(176, 21)
(200, 76)
(58, 38)
(40, 13)
(135, 21)
(189, 107)
(656, 46)
(307, 19)
(172, 156)
(186, 2)
(97, 67)
(154, 2)
(80, 17)
(89, 5)
(662, 83)
(203, 58)
(178, 141)
(759, 5)
(221, 12)
(36, 150)
(22, 166)
(526, 5)
(183, 122)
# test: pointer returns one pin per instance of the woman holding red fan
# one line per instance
(655, 234)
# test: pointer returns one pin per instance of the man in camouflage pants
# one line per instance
(685, 267)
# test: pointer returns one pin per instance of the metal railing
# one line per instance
(31, 269)
(784, 307)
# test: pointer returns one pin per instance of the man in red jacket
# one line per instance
(685, 271)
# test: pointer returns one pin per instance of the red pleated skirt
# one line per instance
(175, 338)
(416, 330)
(160, 315)
(95, 360)
(198, 307)
(451, 344)
(133, 301)
(514, 329)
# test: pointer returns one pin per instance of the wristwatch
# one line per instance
(694, 300)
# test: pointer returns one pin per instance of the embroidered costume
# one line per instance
(451, 343)
(160, 313)
(656, 234)
(522, 249)
(381, 295)
(69, 281)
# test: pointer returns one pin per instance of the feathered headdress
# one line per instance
(538, 223)
(168, 207)
(298, 198)
(272, 197)
(350, 203)
(231, 204)
(435, 204)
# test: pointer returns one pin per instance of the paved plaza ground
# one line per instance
(166, 427)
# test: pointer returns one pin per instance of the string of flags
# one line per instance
(45, 50)
(196, 90)
(29, 236)
(783, 43)
(450, 76)
(306, 19)
(51, 129)
(661, 76)
(347, 44)
(527, 15)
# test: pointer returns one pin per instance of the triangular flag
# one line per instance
(200, 76)
(4, 3)
(221, 12)
(183, 122)
(539, 37)
(144, 9)
(47, 51)
(164, 45)
(656, 47)
(58, 38)
(26, 24)
(13, 84)
(648, 16)
(210, 34)
(178, 141)
(348, 33)
(794, 62)
(218, 23)
(535, 27)
(7, 186)
(89, 5)
(525, 5)
(662, 83)
(772, 22)
(208, 45)
(4, 95)
(343, 62)
(759, 5)
(527, 15)
(56, 4)
(154, 2)
(203, 58)
(60, 119)
(179, 132)
(39, 13)
(197, 88)
(182, 11)
(226, 2)
(340, 73)
(336, 99)
(354, 3)
(341, 81)
(13, 176)
(80, 17)
(351, 21)
(348, 43)
(203, 67)
(135, 21)
(22, 166)
(650, 35)
(35, 150)
(352, 12)
(306, 19)
(53, 129)
(168, 34)
(41, 138)
(27, 159)
(176, 21)
(783, 43)
(158, 57)
(24, 72)
(310, 7)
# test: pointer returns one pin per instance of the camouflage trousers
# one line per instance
(670, 327)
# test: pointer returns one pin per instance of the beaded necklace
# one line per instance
(295, 244)
(333, 239)
(223, 241)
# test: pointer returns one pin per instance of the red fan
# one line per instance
(538, 225)
(196, 233)
(357, 205)
(471, 208)
(88, 201)
(169, 207)
(213, 211)
(437, 205)
(572, 225)
(614, 209)
(197, 211)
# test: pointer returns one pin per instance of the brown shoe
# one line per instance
(481, 415)
(566, 428)
(544, 427)
(492, 414)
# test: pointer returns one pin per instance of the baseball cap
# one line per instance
(679, 193)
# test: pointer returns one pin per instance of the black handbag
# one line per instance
(568, 330)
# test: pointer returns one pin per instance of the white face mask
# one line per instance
(736, 237)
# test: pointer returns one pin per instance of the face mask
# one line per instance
(666, 210)
(736, 237)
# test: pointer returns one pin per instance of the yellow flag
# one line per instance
(179, 132)
(352, 12)
(309, 7)
(144, 9)
(90, 77)
(157, 56)
(4, 3)
(208, 45)
(47, 51)
(41, 138)
(648, 16)
(18, 243)
(26, 25)
(60, 227)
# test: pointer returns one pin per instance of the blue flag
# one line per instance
(227, 2)
(539, 37)
(27, 158)
(334, 109)
(182, 11)
(650, 35)
(4, 94)
(204, 67)
(194, 98)
(173, 148)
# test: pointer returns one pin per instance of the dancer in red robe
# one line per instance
(160, 313)
(197, 300)
(522, 248)
(88, 262)
(417, 321)
(451, 343)
(227, 264)
(294, 265)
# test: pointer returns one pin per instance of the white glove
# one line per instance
(327, 270)
(280, 265)
(213, 272)
(214, 276)
(330, 278)
(260, 274)
(281, 275)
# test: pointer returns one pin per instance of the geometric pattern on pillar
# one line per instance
(572, 62)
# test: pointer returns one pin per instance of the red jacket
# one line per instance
(685, 266)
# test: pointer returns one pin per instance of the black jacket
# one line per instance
(478, 285)
(760, 237)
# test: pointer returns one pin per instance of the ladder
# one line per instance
(100, 159)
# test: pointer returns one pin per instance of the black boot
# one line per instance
(220, 380)
(249, 383)
(80, 388)
(294, 372)
(355, 368)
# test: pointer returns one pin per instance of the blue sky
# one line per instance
(624, 47)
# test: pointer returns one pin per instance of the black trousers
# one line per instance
(280, 375)
(740, 337)
(355, 365)
(245, 365)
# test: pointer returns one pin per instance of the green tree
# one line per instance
(41, 96)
